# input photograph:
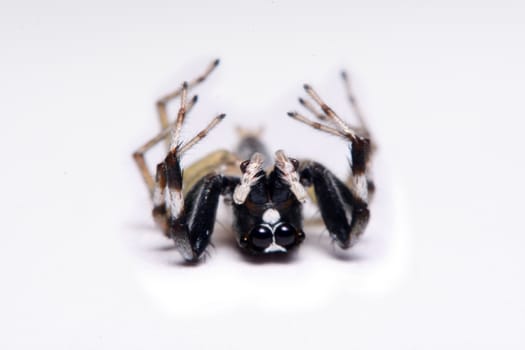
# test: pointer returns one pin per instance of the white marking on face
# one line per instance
(271, 216)
(248, 179)
(290, 176)
(274, 247)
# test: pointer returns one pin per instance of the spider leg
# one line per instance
(343, 207)
(356, 107)
(364, 129)
(163, 101)
(328, 129)
(138, 155)
(222, 161)
(311, 108)
(169, 174)
(191, 230)
(332, 116)
(345, 215)
(359, 146)
(188, 217)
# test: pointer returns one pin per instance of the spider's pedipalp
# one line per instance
(290, 176)
(251, 174)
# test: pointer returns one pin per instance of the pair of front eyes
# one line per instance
(262, 236)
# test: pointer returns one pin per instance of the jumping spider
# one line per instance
(266, 201)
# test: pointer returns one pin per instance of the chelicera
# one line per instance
(266, 199)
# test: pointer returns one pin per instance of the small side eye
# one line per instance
(244, 164)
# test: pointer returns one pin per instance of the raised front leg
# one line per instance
(191, 230)
(345, 215)
(188, 220)
(164, 100)
(343, 206)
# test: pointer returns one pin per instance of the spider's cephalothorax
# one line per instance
(267, 214)
(266, 200)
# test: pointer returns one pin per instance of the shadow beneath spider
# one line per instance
(274, 258)
(164, 248)
(189, 264)
(347, 256)
(224, 243)
(333, 250)
(139, 227)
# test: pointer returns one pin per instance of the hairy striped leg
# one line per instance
(139, 154)
(343, 207)
(188, 219)
(364, 129)
(163, 101)
(361, 129)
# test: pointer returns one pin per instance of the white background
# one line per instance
(441, 83)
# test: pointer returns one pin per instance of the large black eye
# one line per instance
(285, 235)
(261, 237)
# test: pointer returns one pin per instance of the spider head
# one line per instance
(267, 208)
